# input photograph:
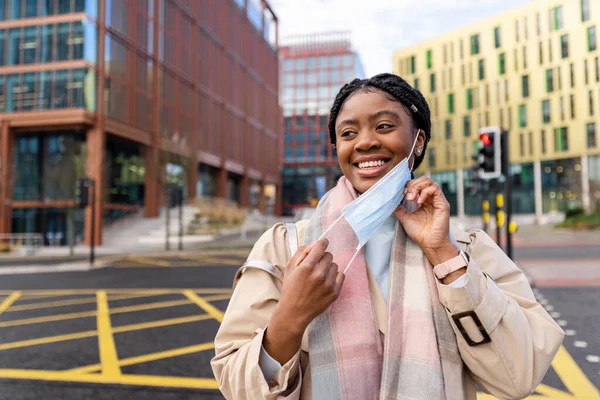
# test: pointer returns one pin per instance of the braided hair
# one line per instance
(398, 90)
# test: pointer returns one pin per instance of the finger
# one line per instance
(339, 282)
(400, 213)
(332, 274)
(414, 189)
(324, 265)
(428, 192)
(316, 253)
(300, 255)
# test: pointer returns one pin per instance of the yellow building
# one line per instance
(535, 72)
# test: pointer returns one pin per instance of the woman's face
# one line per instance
(373, 134)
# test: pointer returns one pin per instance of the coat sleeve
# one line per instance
(524, 338)
(239, 340)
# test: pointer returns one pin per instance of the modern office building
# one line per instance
(314, 68)
(123, 91)
(535, 72)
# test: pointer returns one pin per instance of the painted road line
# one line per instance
(554, 394)
(62, 303)
(206, 306)
(50, 318)
(160, 323)
(148, 357)
(149, 306)
(217, 297)
(138, 380)
(67, 292)
(106, 343)
(46, 340)
(6, 303)
(573, 377)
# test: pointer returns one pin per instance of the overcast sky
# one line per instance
(381, 26)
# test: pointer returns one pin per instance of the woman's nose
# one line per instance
(367, 140)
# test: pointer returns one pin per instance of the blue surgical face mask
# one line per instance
(367, 213)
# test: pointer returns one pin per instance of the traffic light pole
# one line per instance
(507, 192)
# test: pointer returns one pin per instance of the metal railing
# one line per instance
(27, 243)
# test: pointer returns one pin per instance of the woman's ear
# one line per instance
(420, 142)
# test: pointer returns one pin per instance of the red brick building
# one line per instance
(116, 90)
(314, 68)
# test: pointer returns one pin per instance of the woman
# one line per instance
(421, 313)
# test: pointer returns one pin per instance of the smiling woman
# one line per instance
(425, 311)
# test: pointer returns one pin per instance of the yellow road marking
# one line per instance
(553, 393)
(206, 306)
(61, 303)
(6, 303)
(162, 322)
(217, 297)
(106, 343)
(69, 292)
(149, 306)
(573, 377)
(46, 340)
(43, 296)
(140, 380)
(148, 260)
(50, 318)
(148, 357)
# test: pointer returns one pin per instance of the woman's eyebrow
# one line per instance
(347, 122)
(389, 113)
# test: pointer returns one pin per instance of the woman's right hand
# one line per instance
(311, 284)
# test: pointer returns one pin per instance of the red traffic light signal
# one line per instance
(485, 139)
(489, 156)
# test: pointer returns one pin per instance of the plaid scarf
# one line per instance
(419, 359)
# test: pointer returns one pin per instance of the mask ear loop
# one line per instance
(352, 259)
(413, 149)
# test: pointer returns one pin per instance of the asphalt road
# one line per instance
(166, 335)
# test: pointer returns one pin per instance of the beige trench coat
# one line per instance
(524, 337)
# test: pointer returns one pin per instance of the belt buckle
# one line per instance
(461, 328)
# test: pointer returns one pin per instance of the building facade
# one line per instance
(314, 68)
(535, 72)
(130, 93)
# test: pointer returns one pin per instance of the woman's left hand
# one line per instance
(429, 226)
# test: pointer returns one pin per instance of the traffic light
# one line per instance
(82, 197)
(488, 159)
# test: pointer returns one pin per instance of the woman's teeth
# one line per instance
(371, 164)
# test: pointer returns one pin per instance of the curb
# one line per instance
(41, 269)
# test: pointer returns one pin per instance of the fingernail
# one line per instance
(410, 196)
(325, 241)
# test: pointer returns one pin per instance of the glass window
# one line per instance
(46, 43)
(501, 63)
(591, 135)
(312, 62)
(524, 57)
(572, 68)
(561, 139)
(76, 93)
(469, 99)
(585, 10)
(481, 69)
(289, 154)
(431, 157)
(47, 8)
(416, 83)
(522, 115)
(30, 45)
(556, 18)
(45, 90)
(467, 126)
(300, 63)
(64, 6)
(564, 46)
(334, 75)
(2, 46)
(517, 31)
(77, 41)
(15, 9)
(312, 153)
(300, 78)
(2, 10)
(450, 103)
(30, 8)
(429, 59)
(27, 166)
(12, 93)
(348, 75)
(288, 65)
(62, 42)
(544, 146)
(412, 65)
(497, 38)
(591, 102)
(572, 103)
(525, 85)
(585, 72)
(323, 152)
(336, 61)
(432, 83)
(300, 154)
(28, 91)
(348, 60)
(323, 61)
(448, 129)
(591, 36)
(14, 49)
(61, 83)
(549, 80)
(63, 160)
(597, 62)
(80, 5)
(474, 44)
(2, 94)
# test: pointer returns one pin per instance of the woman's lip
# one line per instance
(371, 172)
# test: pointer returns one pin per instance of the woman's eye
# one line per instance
(384, 126)
(348, 133)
